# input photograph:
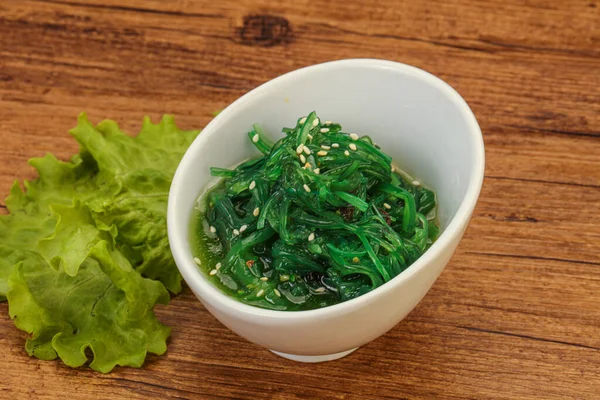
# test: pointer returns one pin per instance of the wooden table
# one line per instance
(516, 314)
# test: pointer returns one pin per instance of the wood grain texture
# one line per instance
(515, 315)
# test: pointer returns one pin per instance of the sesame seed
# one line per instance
(416, 183)
(197, 261)
(302, 159)
(264, 279)
(307, 166)
(299, 148)
(284, 278)
(355, 259)
(325, 147)
(320, 290)
(243, 228)
(302, 121)
(311, 237)
(352, 146)
(212, 229)
(277, 292)
(260, 293)
(346, 153)
(213, 272)
(324, 130)
(255, 138)
(252, 185)
(322, 153)
(306, 150)
(317, 171)
(316, 122)
(309, 136)
(387, 206)
(328, 122)
(218, 266)
(306, 188)
(256, 212)
(236, 232)
(354, 136)
(335, 145)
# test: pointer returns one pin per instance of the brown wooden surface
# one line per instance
(516, 314)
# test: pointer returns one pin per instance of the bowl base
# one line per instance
(314, 359)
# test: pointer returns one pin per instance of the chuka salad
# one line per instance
(320, 218)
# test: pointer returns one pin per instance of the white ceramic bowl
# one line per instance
(415, 117)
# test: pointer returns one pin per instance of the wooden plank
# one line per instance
(514, 315)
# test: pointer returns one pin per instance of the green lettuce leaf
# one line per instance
(106, 308)
(84, 254)
(73, 238)
(31, 217)
(134, 176)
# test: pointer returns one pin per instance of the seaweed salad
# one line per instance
(320, 218)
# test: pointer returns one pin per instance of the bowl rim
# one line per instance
(213, 295)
